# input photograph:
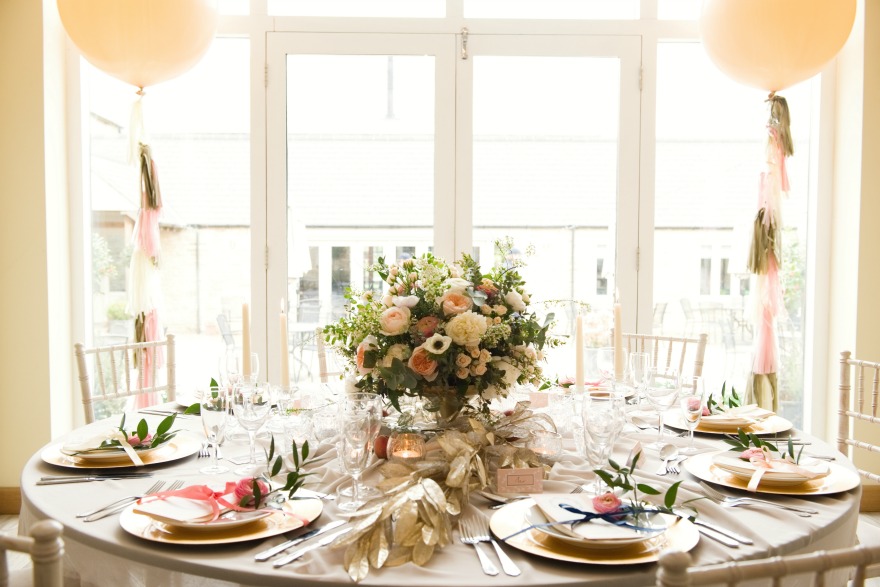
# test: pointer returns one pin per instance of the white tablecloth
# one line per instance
(102, 553)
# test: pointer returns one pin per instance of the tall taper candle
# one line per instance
(618, 342)
(579, 355)
(245, 341)
(285, 356)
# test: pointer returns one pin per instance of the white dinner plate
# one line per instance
(298, 513)
(116, 454)
(771, 425)
(184, 444)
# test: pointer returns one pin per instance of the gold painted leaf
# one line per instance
(422, 553)
(379, 547)
(430, 536)
(458, 471)
(405, 526)
(415, 493)
(434, 493)
(399, 555)
(395, 470)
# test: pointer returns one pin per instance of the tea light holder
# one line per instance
(406, 447)
(545, 444)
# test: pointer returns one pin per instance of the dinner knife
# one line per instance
(74, 480)
(717, 536)
(323, 542)
(269, 553)
(96, 476)
(715, 528)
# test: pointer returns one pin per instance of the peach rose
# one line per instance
(607, 503)
(454, 303)
(422, 364)
(462, 373)
(427, 326)
(369, 343)
(462, 360)
(394, 321)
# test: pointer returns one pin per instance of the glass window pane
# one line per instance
(374, 8)
(201, 148)
(564, 9)
(360, 174)
(545, 174)
(710, 156)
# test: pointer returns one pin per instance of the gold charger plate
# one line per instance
(838, 479)
(772, 425)
(181, 446)
(680, 535)
(277, 523)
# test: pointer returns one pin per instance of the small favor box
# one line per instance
(520, 480)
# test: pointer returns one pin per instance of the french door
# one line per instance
(394, 145)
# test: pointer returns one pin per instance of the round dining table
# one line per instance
(104, 553)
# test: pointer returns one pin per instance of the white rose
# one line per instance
(457, 284)
(351, 384)
(515, 300)
(511, 373)
(437, 344)
(394, 321)
(466, 329)
(405, 301)
(395, 351)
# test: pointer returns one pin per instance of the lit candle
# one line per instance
(285, 357)
(406, 454)
(406, 446)
(245, 341)
(579, 355)
(618, 341)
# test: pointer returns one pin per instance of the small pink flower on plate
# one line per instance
(607, 503)
(752, 453)
(135, 441)
(245, 488)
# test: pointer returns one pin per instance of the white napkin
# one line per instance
(548, 503)
(176, 509)
(77, 445)
(744, 414)
(808, 469)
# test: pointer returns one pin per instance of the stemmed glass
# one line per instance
(661, 392)
(639, 367)
(605, 363)
(214, 409)
(371, 404)
(692, 401)
(356, 443)
(251, 405)
(254, 375)
(603, 415)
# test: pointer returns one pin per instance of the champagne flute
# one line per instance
(661, 392)
(213, 408)
(692, 401)
(371, 404)
(603, 416)
(639, 367)
(357, 429)
(251, 405)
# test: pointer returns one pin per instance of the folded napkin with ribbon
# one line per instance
(90, 447)
(564, 508)
(736, 417)
(765, 466)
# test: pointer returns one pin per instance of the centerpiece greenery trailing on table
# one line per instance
(443, 332)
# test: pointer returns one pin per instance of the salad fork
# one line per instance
(479, 527)
(467, 537)
(730, 501)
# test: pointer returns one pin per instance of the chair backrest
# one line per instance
(125, 370)
(326, 369)
(670, 351)
(46, 549)
(855, 406)
(676, 568)
(225, 331)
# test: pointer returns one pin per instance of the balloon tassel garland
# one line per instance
(765, 255)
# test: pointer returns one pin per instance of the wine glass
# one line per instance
(603, 416)
(214, 408)
(254, 375)
(661, 392)
(605, 363)
(639, 366)
(251, 405)
(371, 404)
(356, 443)
(692, 401)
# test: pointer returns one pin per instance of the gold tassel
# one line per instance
(780, 120)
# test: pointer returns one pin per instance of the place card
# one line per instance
(520, 480)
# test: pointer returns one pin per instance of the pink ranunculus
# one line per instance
(706, 411)
(752, 453)
(422, 364)
(607, 503)
(454, 303)
(566, 382)
(694, 404)
(134, 440)
(245, 488)
(394, 320)
(427, 326)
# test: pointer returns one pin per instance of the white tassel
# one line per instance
(136, 131)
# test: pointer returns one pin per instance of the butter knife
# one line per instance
(298, 553)
(270, 552)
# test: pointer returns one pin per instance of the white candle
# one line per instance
(618, 343)
(245, 341)
(285, 357)
(406, 454)
(579, 355)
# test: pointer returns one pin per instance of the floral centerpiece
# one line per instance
(444, 333)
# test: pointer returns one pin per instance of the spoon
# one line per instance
(667, 453)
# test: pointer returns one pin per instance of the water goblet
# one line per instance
(354, 454)
(251, 405)
(603, 417)
(661, 392)
(371, 404)
(692, 401)
(214, 408)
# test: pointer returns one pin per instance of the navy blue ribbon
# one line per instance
(618, 517)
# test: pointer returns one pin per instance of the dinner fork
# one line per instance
(730, 501)
(205, 451)
(672, 467)
(127, 499)
(467, 537)
(480, 531)
(118, 508)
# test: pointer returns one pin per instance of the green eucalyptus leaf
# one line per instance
(165, 425)
(195, 409)
(276, 468)
(671, 494)
(305, 451)
(647, 489)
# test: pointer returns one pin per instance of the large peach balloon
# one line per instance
(774, 44)
(142, 42)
